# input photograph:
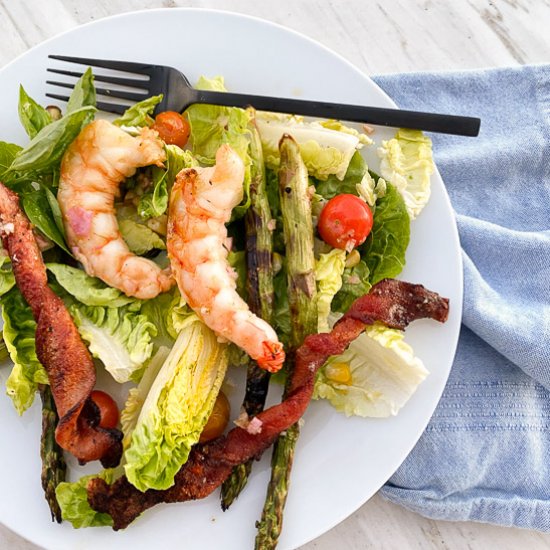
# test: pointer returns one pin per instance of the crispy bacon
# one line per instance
(59, 348)
(392, 302)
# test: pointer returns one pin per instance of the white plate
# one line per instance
(340, 463)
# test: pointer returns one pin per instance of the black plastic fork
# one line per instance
(178, 94)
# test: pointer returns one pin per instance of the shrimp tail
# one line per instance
(273, 357)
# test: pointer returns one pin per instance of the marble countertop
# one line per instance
(378, 37)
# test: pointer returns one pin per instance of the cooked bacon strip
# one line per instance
(58, 345)
(392, 302)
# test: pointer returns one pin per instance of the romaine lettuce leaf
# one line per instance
(383, 370)
(73, 501)
(178, 404)
(139, 238)
(212, 126)
(328, 274)
(406, 161)
(355, 283)
(89, 291)
(139, 115)
(155, 202)
(332, 186)
(119, 337)
(7, 278)
(19, 335)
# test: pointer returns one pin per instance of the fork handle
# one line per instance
(430, 122)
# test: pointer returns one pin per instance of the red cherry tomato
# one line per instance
(345, 222)
(172, 127)
(108, 410)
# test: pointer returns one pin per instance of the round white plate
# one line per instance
(340, 462)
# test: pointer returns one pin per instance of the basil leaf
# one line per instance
(384, 250)
(37, 204)
(33, 116)
(140, 113)
(47, 147)
(56, 211)
(8, 152)
(83, 94)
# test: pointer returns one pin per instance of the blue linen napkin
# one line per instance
(485, 455)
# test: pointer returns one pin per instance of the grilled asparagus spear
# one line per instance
(298, 236)
(53, 462)
(259, 248)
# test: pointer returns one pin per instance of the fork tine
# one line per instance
(130, 82)
(125, 66)
(118, 94)
(101, 105)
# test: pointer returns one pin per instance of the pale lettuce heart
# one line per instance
(326, 147)
(406, 161)
(384, 374)
(329, 269)
(176, 401)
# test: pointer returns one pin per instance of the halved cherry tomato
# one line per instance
(218, 420)
(172, 127)
(345, 222)
(108, 410)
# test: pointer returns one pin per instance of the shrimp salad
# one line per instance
(184, 246)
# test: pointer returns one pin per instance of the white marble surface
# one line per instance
(378, 36)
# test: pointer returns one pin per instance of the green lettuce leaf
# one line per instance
(406, 161)
(88, 290)
(326, 147)
(139, 238)
(212, 126)
(178, 404)
(329, 269)
(383, 371)
(155, 202)
(355, 283)
(119, 337)
(332, 186)
(73, 501)
(385, 248)
(33, 116)
(140, 114)
(19, 335)
(7, 278)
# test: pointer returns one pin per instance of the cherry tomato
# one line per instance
(345, 222)
(108, 410)
(172, 127)
(218, 420)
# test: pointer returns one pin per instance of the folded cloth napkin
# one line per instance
(485, 456)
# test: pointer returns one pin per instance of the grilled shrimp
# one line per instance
(200, 205)
(93, 167)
